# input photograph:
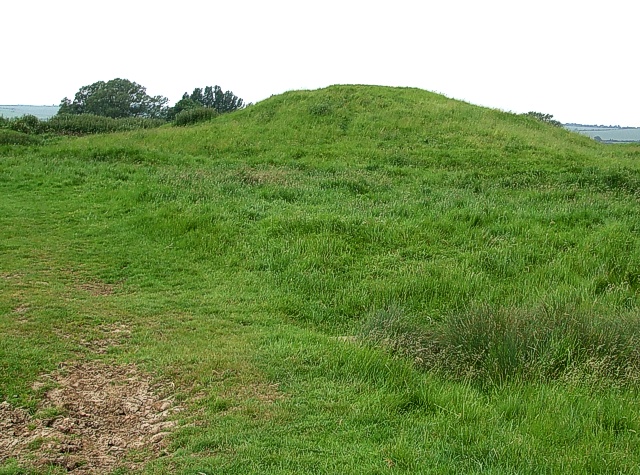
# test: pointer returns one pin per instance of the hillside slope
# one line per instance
(351, 280)
(368, 125)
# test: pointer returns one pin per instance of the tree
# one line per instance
(211, 97)
(221, 101)
(116, 98)
(548, 118)
(186, 103)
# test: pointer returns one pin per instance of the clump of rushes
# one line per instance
(493, 346)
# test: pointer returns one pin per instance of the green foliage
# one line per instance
(184, 104)
(546, 118)
(84, 124)
(12, 137)
(320, 109)
(493, 346)
(195, 115)
(222, 102)
(117, 98)
(28, 124)
(70, 124)
(211, 97)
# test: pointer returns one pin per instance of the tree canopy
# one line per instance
(121, 98)
(212, 97)
(116, 98)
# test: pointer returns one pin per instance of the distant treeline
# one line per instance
(113, 106)
(591, 126)
(121, 98)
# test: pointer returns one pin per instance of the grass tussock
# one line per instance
(493, 346)
(12, 137)
(195, 116)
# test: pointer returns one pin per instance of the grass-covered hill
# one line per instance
(350, 280)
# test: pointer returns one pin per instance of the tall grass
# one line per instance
(83, 124)
(12, 137)
(494, 346)
(194, 116)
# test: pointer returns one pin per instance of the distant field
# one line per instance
(618, 134)
(41, 112)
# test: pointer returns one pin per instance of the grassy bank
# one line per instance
(350, 280)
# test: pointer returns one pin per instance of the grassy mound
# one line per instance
(351, 200)
(249, 256)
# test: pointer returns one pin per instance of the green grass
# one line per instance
(487, 264)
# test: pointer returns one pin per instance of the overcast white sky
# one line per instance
(577, 60)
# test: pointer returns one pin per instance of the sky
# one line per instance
(576, 60)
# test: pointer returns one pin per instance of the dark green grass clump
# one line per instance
(12, 137)
(493, 346)
(86, 124)
(194, 116)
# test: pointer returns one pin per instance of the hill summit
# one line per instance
(370, 125)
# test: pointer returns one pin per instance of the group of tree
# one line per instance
(121, 98)
(209, 97)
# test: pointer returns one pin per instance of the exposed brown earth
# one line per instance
(96, 417)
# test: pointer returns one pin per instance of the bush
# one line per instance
(13, 137)
(193, 116)
(546, 118)
(27, 124)
(85, 124)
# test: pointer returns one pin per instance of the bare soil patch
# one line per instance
(95, 418)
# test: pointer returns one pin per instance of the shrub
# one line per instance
(13, 137)
(546, 118)
(27, 124)
(320, 109)
(85, 124)
(193, 116)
